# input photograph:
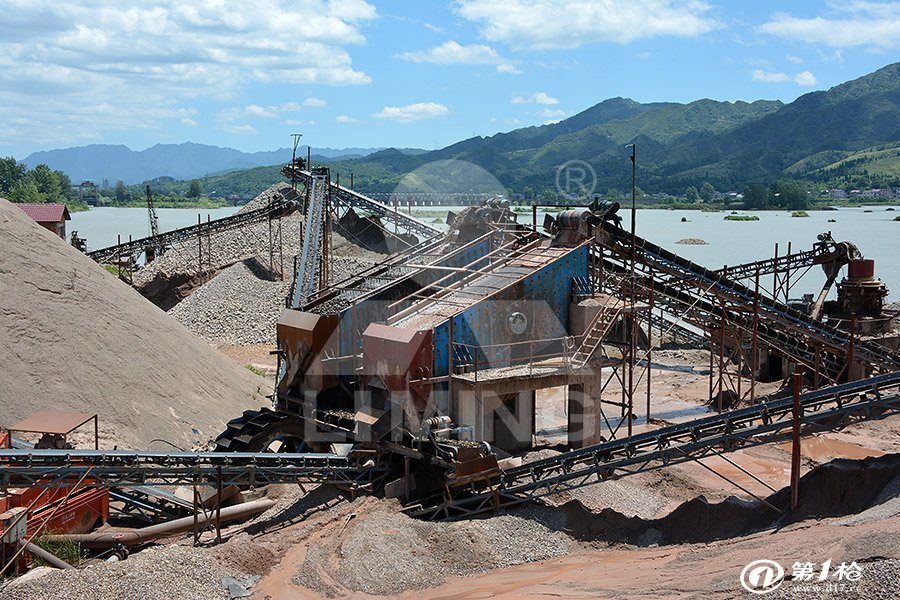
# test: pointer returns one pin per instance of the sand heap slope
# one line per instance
(73, 337)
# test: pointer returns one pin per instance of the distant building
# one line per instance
(52, 217)
(88, 193)
(837, 194)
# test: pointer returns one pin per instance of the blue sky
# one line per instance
(401, 73)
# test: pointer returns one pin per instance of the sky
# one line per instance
(402, 73)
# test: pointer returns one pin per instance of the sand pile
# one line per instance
(76, 338)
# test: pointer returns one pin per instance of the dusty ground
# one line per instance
(584, 544)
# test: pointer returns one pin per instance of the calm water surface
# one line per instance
(872, 229)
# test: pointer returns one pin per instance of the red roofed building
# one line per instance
(49, 216)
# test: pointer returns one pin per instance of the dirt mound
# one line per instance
(76, 338)
(838, 488)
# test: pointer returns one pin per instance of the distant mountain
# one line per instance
(179, 161)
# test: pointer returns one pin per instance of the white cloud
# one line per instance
(805, 78)
(554, 113)
(346, 119)
(508, 68)
(573, 23)
(769, 76)
(148, 62)
(644, 55)
(535, 98)
(454, 53)
(413, 112)
(434, 28)
(796, 60)
(189, 122)
(314, 103)
(239, 129)
(853, 23)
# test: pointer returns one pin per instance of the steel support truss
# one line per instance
(838, 405)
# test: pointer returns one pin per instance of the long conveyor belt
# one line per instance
(277, 208)
(386, 213)
(866, 399)
(678, 279)
(123, 468)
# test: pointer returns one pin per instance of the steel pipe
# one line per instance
(108, 539)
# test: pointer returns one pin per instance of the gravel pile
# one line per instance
(239, 305)
(621, 496)
(224, 248)
(163, 572)
(385, 552)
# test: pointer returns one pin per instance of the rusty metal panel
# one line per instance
(56, 422)
(398, 355)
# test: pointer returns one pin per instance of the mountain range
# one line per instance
(97, 162)
(849, 133)
(850, 129)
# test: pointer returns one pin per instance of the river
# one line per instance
(872, 229)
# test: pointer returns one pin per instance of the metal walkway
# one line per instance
(872, 398)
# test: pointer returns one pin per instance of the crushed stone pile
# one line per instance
(386, 552)
(241, 304)
(174, 275)
(76, 338)
(162, 572)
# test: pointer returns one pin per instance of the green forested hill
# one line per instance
(849, 133)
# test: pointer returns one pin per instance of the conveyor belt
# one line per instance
(122, 468)
(305, 283)
(132, 249)
(867, 399)
(706, 298)
(386, 213)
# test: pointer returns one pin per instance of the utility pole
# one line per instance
(632, 290)
(296, 137)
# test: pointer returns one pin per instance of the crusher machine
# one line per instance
(431, 361)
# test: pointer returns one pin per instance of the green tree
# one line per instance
(756, 195)
(613, 195)
(11, 172)
(194, 189)
(707, 191)
(790, 194)
(65, 185)
(691, 194)
(529, 193)
(120, 191)
(47, 183)
(26, 192)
